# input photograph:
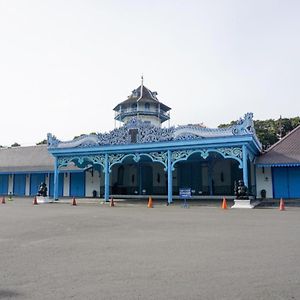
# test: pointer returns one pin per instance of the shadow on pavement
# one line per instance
(7, 294)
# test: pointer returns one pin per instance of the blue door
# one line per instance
(294, 182)
(35, 181)
(77, 184)
(3, 184)
(60, 185)
(19, 184)
(286, 182)
(280, 183)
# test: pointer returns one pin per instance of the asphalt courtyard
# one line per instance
(93, 251)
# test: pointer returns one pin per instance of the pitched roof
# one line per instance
(142, 94)
(286, 151)
(21, 159)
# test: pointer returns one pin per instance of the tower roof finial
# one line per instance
(142, 78)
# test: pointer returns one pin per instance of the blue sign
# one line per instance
(185, 193)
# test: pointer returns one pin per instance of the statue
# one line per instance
(240, 190)
(42, 190)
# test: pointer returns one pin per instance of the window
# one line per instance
(133, 135)
(147, 106)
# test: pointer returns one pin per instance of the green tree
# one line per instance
(77, 136)
(43, 142)
(267, 132)
(15, 145)
(270, 131)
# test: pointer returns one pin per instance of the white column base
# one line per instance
(41, 200)
(242, 204)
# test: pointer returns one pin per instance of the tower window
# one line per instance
(133, 135)
(147, 106)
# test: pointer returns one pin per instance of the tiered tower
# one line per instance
(143, 105)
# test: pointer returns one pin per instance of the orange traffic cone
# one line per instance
(74, 202)
(35, 201)
(150, 203)
(224, 203)
(3, 200)
(112, 202)
(281, 205)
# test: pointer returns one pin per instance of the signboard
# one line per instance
(185, 193)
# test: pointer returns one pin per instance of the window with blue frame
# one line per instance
(133, 107)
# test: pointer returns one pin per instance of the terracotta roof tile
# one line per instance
(285, 151)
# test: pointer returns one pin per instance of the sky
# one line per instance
(64, 65)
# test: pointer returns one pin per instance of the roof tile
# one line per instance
(285, 151)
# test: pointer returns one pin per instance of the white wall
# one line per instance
(10, 183)
(47, 181)
(66, 190)
(27, 185)
(92, 182)
(264, 181)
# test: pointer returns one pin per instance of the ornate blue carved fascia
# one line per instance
(231, 152)
(161, 157)
(64, 161)
(97, 159)
(116, 159)
(236, 152)
(80, 160)
(181, 154)
(140, 132)
(228, 152)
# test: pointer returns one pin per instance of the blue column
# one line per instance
(245, 166)
(255, 190)
(210, 170)
(106, 181)
(56, 181)
(170, 177)
(140, 178)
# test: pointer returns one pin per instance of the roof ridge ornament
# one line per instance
(149, 133)
(244, 126)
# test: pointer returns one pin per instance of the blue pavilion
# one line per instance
(142, 158)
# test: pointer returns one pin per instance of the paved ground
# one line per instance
(92, 251)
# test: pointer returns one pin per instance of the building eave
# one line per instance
(160, 146)
(277, 165)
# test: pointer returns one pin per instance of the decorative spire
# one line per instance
(142, 85)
